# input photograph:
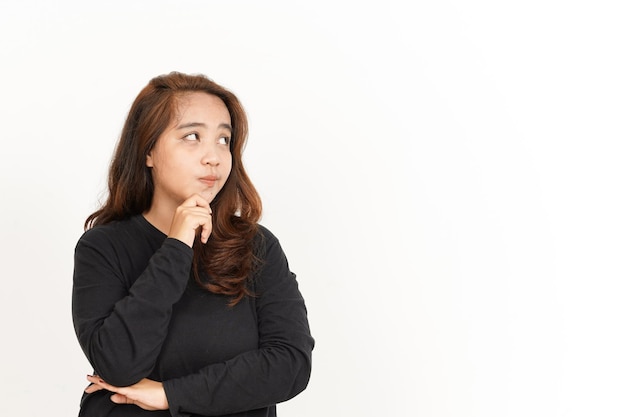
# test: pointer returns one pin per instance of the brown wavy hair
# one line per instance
(228, 257)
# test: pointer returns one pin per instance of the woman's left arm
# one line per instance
(277, 371)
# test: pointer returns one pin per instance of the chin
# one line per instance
(209, 196)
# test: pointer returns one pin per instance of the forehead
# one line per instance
(200, 107)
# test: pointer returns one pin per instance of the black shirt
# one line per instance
(139, 314)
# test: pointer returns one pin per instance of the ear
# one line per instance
(149, 162)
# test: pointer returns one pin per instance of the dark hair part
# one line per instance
(229, 256)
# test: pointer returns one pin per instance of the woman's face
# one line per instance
(193, 155)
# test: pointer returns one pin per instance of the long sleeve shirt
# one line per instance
(138, 314)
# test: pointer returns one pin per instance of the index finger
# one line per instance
(96, 380)
(195, 201)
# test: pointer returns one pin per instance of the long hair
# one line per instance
(228, 258)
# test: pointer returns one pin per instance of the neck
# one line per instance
(160, 217)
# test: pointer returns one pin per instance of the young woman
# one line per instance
(183, 304)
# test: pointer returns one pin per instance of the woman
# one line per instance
(182, 303)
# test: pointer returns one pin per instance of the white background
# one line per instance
(447, 178)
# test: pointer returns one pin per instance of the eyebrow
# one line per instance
(197, 124)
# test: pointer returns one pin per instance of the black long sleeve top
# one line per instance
(138, 314)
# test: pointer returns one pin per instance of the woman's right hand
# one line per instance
(193, 213)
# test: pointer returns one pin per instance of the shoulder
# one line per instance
(103, 245)
(98, 250)
(271, 254)
(107, 234)
(266, 241)
(265, 233)
(274, 281)
(123, 239)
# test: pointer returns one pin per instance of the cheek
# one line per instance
(228, 165)
(165, 170)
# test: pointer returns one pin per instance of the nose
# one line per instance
(210, 156)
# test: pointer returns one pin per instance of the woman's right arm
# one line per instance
(121, 326)
(120, 323)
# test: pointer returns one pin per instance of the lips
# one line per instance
(209, 180)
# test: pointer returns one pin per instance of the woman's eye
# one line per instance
(224, 140)
(192, 136)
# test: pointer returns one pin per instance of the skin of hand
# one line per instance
(192, 214)
(147, 394)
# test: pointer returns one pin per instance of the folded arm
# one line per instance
(121, 324)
